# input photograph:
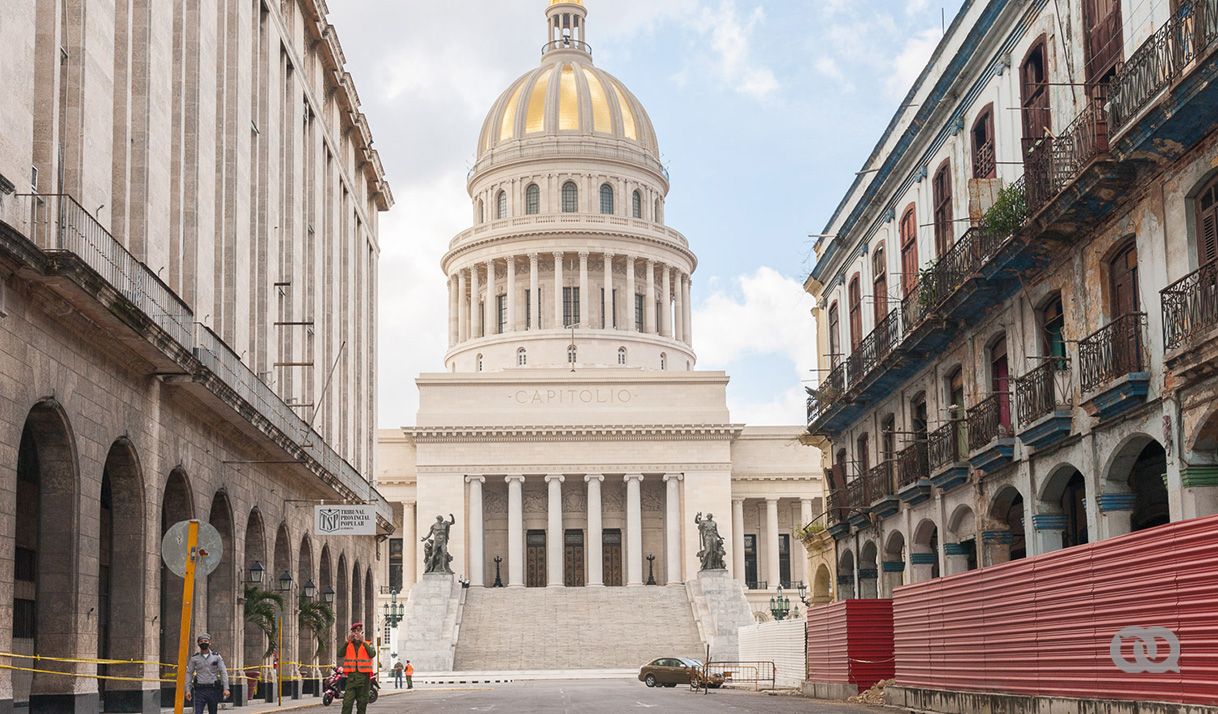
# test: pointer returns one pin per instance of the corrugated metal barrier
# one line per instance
(779, 642)
(851, 642)
(1045, 625)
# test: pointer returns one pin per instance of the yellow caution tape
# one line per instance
(83, 675)
(84, 660)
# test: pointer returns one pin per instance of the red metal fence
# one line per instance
(850, 642)
(1045, 625)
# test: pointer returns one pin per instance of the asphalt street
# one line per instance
(595, 696)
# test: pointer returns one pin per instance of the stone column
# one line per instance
(462, 308)
(805, 517)
(771, 545)
(686, 284)
(511, 293)
(666, 301)
(558, 316)
(921, 566)
(737, 539)
(649, 302)
(1116, 512)
(678, 330)
(868, 583)
(453, 307)
(477, 563)
(608, 315)
(410, 531)
(490, 312)
(630, 293)
(554, 544)
(515, 531)
(585, 319)
(595, 557)
(672, 527)
(534, 296)
(996, 547)
(634, 529)
(894, 572)
(956, 557)
(474, 290)
(1047, 531)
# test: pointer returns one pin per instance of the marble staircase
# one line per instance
(575, 628)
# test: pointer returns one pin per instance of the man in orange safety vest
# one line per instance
(359, 664)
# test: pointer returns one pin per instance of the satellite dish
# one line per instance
(173, 548)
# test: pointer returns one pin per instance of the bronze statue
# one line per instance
(713, 555)
(435, 546)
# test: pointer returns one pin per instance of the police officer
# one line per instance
(206, 677)
(358, 665)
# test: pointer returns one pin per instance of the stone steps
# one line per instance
(574, 628)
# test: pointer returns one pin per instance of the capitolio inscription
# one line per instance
(575, 396)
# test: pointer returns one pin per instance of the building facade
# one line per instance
(1018, 302)
(571, 437)
(188, 247)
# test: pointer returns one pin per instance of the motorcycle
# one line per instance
(332, 688)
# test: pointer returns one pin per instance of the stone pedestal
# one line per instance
(433, 614)
(720, 609)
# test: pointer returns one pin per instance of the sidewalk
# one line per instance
(288, 704)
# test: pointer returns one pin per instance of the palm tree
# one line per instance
(262, 609)
(317, 616)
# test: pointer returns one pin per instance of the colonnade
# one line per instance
(771, 529)
(485, 298)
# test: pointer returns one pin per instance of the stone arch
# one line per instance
(822, 585)
(306, 640)
(255, 553)
(845, 575)
(1061, 518)
(282, 555)
(868, 567)
(924, 551)
(121, 576)
(177, 504)
(1202, 443)
(960, 548)
(222, 582)
(1133, 483)
(892, 563)
(357, 596)
(1005, 536)
(342, 598)
(325, 583)
(45, 549)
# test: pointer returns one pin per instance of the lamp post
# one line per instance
(327, 595)
(255, 574)
(780, 605)
(651, 571)
(392, 614)
(803, 594)
(498, 580)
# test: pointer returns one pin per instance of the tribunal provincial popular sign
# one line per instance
(344, 520)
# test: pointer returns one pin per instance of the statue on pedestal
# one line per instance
(435, 546)
(713, 555)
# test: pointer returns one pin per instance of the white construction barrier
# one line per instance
(783, 643)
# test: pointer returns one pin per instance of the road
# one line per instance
(607, 696)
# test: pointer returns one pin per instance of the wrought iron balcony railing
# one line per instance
(946, 445)
(1036, 392)
(856, 493)
(874, 348)
(880, 480)
(1052, 163)
(1190, 306)
(1191, 33)
(985, 421)
(1114, 350)
(837, 504)
(912, 464)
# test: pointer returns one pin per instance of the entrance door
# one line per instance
(1124, 281)
(535, 559)
(573, 558)
(750, 560)
(611, 562)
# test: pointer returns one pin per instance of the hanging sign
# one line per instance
(344, 520)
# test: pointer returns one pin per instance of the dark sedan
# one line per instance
(671, 671)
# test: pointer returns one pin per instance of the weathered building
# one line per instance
(1017, 300)
(188, 248)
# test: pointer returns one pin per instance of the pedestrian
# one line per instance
(398, 668)
(409, 675)
(358, 658)
(206, 677)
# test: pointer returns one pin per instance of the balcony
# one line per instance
(913, 472)
(1042, 404)
(1190, 324)
(947, 460)
(1161, 97)
(1114, 370)
(881, 488)
(859, 502)
(989, 434)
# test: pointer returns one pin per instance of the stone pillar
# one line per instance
(678, 330)
(558, 316)
(771, 544)
(462, 308)
(666, 300)
(515, 531)
(921, 566)
(845, 587)
(738, 539)
(453, 307)
(534, 296)
(474, 290)
(608, 314)
(631, 291)
(805, 517)
(585, 319)
(410, 531)
(490, 311)
(511, 294)
(869, 583)
(672, 527)
(649, 302)
(996, 547)
(554, 544)
(634, 529)
(1047, 530)
(956, 557)
(595, 556)
(1116, 512)
(687, 283)
(894, 572)
(477, 563)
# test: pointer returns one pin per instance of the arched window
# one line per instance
(621, 355)
(984, 166)
(1034, 94)
(479, 212)
(501, 205)
(942, 190)
(909, 250)
(879, 284)
(572, 355)
(835, 346)
(478, 362)
(663, 360)
(532, 200)
(636, 204)
(522, 357)
(856, 313)
(1207, 223)
(570, 197)
(606, 199)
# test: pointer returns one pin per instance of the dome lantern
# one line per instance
(566, 22)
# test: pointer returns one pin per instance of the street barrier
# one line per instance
(850, 643)
(716, 674)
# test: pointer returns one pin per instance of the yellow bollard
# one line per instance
(188, 589)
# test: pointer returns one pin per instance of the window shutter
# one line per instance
(1207, 246)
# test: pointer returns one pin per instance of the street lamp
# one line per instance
(394, 611)
(803, 593)
(285, 582)
(327, 595)
(256, 572)
(780, 605)
(310, 590)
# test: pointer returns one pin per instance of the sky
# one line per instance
(764, 112)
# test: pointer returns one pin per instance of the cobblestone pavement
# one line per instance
(606, 696)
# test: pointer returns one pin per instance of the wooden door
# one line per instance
(879, 286)
(1124, 281)
(535, 559)
(1000, 379)
(611, 556)
(1102, 27)
(856, 313)
(573, 558)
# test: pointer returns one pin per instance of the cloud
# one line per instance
(730, 37)
(910, 61)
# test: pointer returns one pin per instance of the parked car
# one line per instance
(671, 671)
